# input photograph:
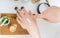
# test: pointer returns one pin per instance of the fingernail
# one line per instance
(16, 8)
(22, 8)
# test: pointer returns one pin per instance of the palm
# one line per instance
(26, 19)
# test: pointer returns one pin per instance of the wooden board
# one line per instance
(5, 29)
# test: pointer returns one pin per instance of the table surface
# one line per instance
(5, 29)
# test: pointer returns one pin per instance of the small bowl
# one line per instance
(42, 7)
(2, 20)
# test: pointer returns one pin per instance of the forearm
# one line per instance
(34, 32)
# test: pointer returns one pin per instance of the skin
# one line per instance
(51, 14)
(31, 27)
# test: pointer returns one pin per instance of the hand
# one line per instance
(52, 14)
(26, 19)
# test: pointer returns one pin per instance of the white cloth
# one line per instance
(54, 2)
(48, 30)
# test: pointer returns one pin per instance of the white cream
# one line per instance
(28, 20)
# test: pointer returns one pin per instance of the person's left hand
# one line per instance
(26, 19)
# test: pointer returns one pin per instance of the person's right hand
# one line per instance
(52, 14)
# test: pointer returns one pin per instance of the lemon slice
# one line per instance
(13, 28)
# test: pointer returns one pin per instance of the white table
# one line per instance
(47, 30)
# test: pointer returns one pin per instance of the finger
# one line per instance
(18, 14)
(22, 25)
(30, 13)
(22, 10)
(25, 11)
(21, 13)
(19, 21)
(40, 16)
(35, 16)
(22, 7)
(20, 17)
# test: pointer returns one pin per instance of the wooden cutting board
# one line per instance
(5, 29)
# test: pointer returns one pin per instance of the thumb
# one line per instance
(40, 16)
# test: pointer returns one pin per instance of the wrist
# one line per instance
(34, 32)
